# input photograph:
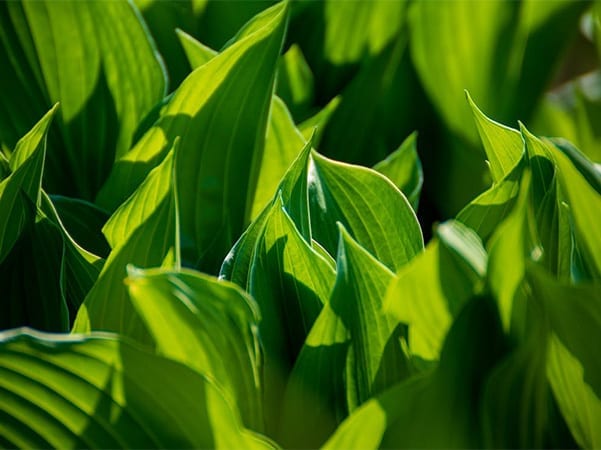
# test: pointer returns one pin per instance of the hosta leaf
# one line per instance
(84, 222)
(372, 118)
(431, 290)
(20, 191)
(102, 392)
(290, 282)
(344, 35)
(352, 352)
(207, 324)
(437, 409)
(81, 267)
(282, 146)
(102, 101)
(516, 396)
(196, 52)
(316, 124)
(162, 19)
(504, 146)
(404, 169)
(32, 279)
(148, 216)
(293, 191)
(573, 365)
(214, 212)
(373, 210)
(282, 142)
(584, 201)
(295, 83)
(509, 247)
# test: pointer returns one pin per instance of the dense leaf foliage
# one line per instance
(296, 224)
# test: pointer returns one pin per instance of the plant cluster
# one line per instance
(221, 249)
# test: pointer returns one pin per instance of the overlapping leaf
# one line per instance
(102, 392)
(98, 61)
(209, 325)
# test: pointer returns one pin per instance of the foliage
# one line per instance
(290, 225)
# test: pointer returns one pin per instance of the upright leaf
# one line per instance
(373, 210)
(221, 141)
(404, 169)
(20, 190)
(148, 216)
(430, 291)
(290, 282)
(438, 409)
(352, 353)
(208, 325)
(99, 62)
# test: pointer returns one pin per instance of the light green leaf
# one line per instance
(584, 201)
(196, 52)
(436, 409)
(282, 142)
(209, 325)
(290, 282)
(282, 146)
(102, 101)
(352, 353)
(317, 123)
(101, 392)
(573, 365)
(149, 216)
(214, 212)
(504, 146)
(430, 291)
(20, 191)
(293, 191)
(404, 169)
(373, 210)
(295, 83)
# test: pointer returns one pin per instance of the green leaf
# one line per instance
(282, 146)
(164, 21)
(32, 280)
(282, 142)
(317, 123)
(437, 409)
(573, 366)
(583, 201)
(503, 145)
(84, 222)
(372, 119)
(295, 83)
(207, 324)
(196, 52)
(430, 291)
(373, 210)
(214, 212)
(102, 101)
(148, 216)
(293, 191)
(352, 353)
(102, 392)
(20, 191)
(515, 399)
(290, 282)
(404, 169)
